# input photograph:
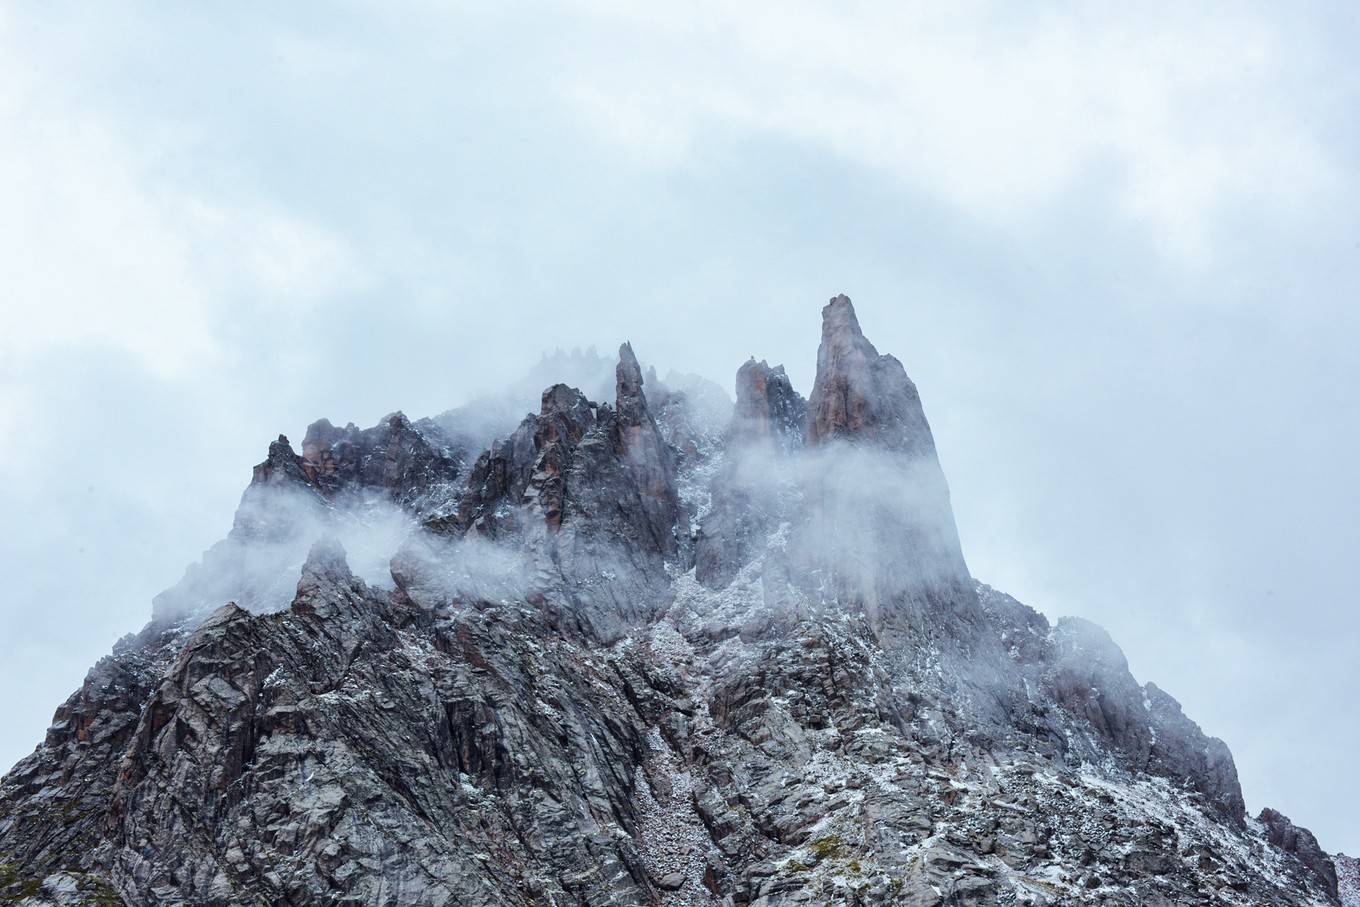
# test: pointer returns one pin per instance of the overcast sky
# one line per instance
(1118, 252)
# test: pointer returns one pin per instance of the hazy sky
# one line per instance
(1118, 252)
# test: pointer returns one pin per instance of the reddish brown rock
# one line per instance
(860, 395)
(648, 456)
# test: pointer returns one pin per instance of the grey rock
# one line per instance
(636, 653)
(750, 491)
(1300, 841)
(767, 408)
(1347, 880)
(877, 521)
(861, 395)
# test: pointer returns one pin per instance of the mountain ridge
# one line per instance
(625, 655)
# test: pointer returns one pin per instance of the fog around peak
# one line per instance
(1125, 293)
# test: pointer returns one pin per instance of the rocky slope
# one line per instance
(628, 653)
(1348, 880)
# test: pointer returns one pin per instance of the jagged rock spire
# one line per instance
(280, 465)
(645, 452)
(630, 401)
(564, 418)
(878, 515)
(768, 421)
(767, 405)
(861, 395)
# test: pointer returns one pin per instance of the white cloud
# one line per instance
(102, 248)
(997, 112)
(171, 299)
(269, 254)
(93, 257)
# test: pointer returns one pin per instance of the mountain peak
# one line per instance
(838, 319)
(736, 662)
(861, 396)
(628, 378)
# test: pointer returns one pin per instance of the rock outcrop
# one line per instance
(585, 495)
(649, 458)
(1348, 880)
(768, 408)
(877, 516)
(402, 460)
(629, 657)
(398, 468)
(750, 490)
(861, 395)
(395, 458)
(1300, 841)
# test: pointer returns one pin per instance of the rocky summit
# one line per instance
(648, 650)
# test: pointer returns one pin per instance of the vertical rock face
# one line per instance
(280, 465)
(878, 519)
(768, 423)
(768, 408)
(563, 422)
(585, 494)
(861, 395)
(394, 457)
(1300, 841)
(546, 704)
(651, 461)
(529, 466)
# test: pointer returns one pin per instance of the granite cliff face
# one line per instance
(629, 653)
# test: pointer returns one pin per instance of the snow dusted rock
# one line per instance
(635, 654)
(1300, 841)
(649, 458)
(1141, 725)
(1348, 880)
(394, 458)
(53, 803)
(751, 490)
(397, 472)
(405, 461)
(585, 495)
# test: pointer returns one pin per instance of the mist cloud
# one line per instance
(1118, 257)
